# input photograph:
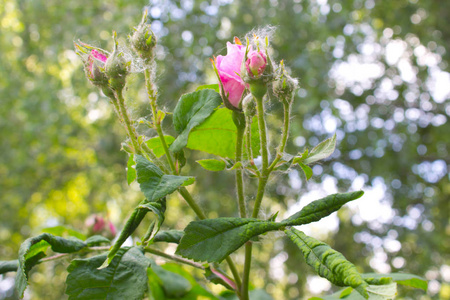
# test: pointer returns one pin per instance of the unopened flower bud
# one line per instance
(256, 63)
(116, 68)
(143, 40)
(97, 225)
(284, 86)
(94, 60)
(249, 106)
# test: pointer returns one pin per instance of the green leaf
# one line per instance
(34, 248)
(307, 170)
(64, 231)
(218, 277)
(9, 266)
(382, 292)
(214, 239)
(401, 278)
(156, 145)
(169, 236)
(321, 151)
(328, 263)
(212, 164)
(375, 292)
(155, 285)
(257, 294)
(131, 171)
(157, 207)
(321, 208)
(197, 291)
(217, 135)
(124, 278)
(154, 183)
(192, 109)
(214, 87)
(173, 284)
(97, 240)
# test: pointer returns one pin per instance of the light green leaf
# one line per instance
(321, 208)
(214, 87)
(217, 135)
(34, 248)
(212, 164)
(154, 183)
(9, 266)
(382, 292)
(131, 171)
(124, 278)
(169, 236)
(192, 109)
(214, 239)
(307, 170)
(328, 263)
(156, 145)
(64, 231)
(155, 285)
(401, 278)
(321, 151)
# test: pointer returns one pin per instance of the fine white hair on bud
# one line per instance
(257, 36)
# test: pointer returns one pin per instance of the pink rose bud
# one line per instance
(256, 63)
(112, 228)
(228, 70)
(94, 60)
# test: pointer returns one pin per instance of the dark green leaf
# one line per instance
(9, 266)
(154, 183)
(157, 207)
(214, 87)
(170, 236)
(131, 171)
(173, 284)
(97, 240)
(328, 263)
(124, 278)
(321, 208)
(217, 135)
(156, 145)
(214, 239)
(401, 278)
(34, 249)
(212, 164)
(192, 109)
(321, 151)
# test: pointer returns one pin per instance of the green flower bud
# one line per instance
(116, 67)
(249, 106)
(143, 40)
(284, 86)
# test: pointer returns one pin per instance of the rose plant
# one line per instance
(109, 270)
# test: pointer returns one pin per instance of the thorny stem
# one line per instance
(126, 119)
(248, 135)
(239, 175)
(174, 258)
(261, 188)
(285, 134)
(157, 123)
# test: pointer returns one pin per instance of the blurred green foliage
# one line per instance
(376, 72)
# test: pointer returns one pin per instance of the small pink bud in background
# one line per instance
(97, 225)
(256, 63)
(112, 228)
